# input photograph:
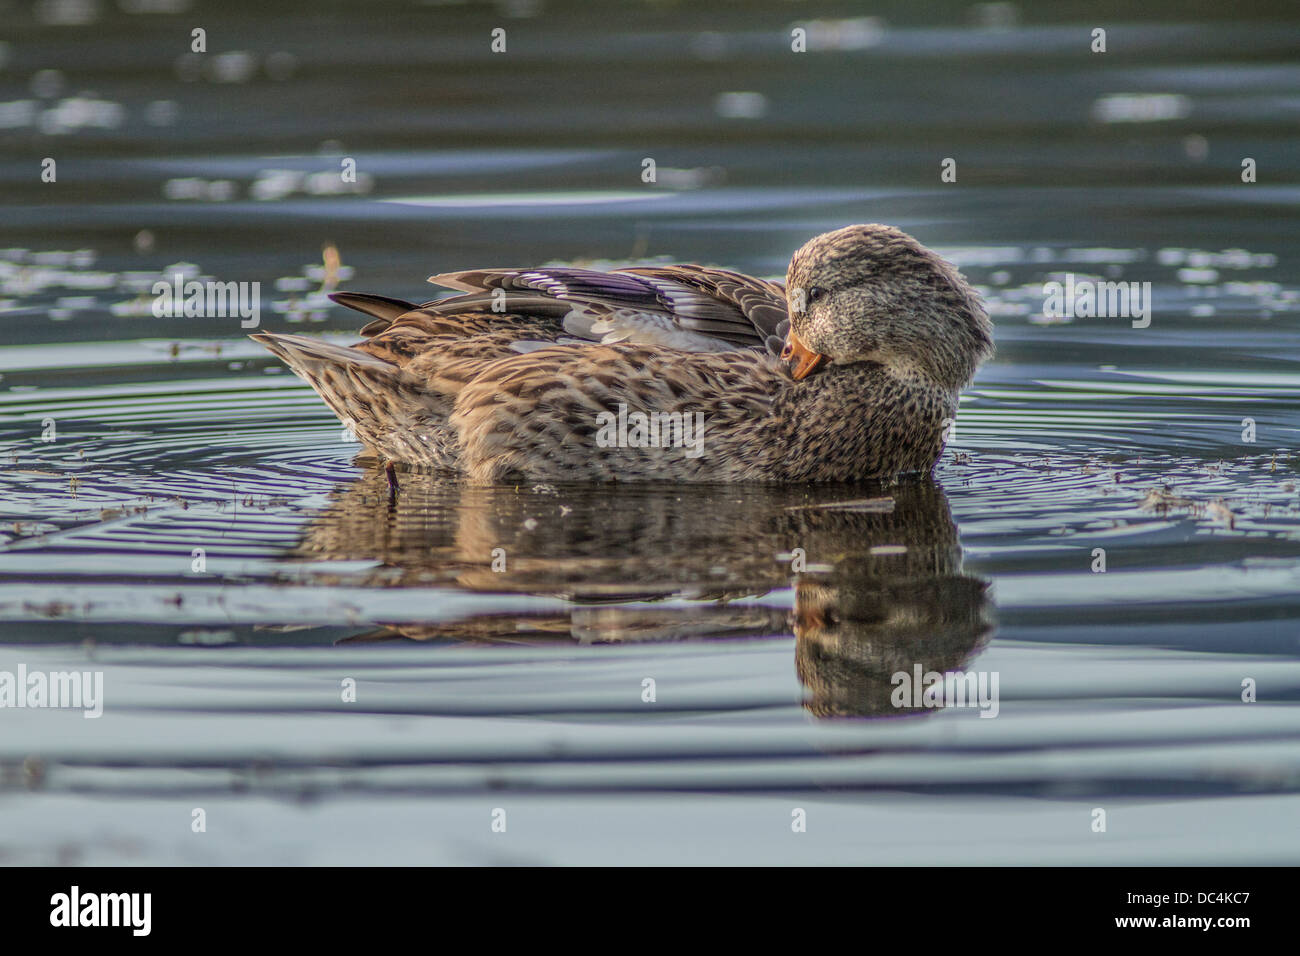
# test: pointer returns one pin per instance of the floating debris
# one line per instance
(861, 505)
(1161, 499)
(1221, 512)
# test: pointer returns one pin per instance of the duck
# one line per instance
(848, 371)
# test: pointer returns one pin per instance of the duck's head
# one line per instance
(872, 293)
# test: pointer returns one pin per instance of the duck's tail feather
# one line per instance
(384, 407)
(306, 355)
(384, 308)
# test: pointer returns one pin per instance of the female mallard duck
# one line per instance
(666, 372)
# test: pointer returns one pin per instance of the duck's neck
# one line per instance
(852, 422)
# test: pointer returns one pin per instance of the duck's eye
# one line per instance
(815, 293)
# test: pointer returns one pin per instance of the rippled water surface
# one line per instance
(1114, 531)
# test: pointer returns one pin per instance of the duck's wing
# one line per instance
(714, 298)
(687, 307)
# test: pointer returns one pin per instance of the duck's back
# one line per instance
(560, 372)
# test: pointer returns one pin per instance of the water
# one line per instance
(196, 528)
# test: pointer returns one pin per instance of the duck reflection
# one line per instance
(878, 583)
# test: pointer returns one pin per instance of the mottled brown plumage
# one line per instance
(540, 374)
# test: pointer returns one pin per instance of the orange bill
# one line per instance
(804, 361)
